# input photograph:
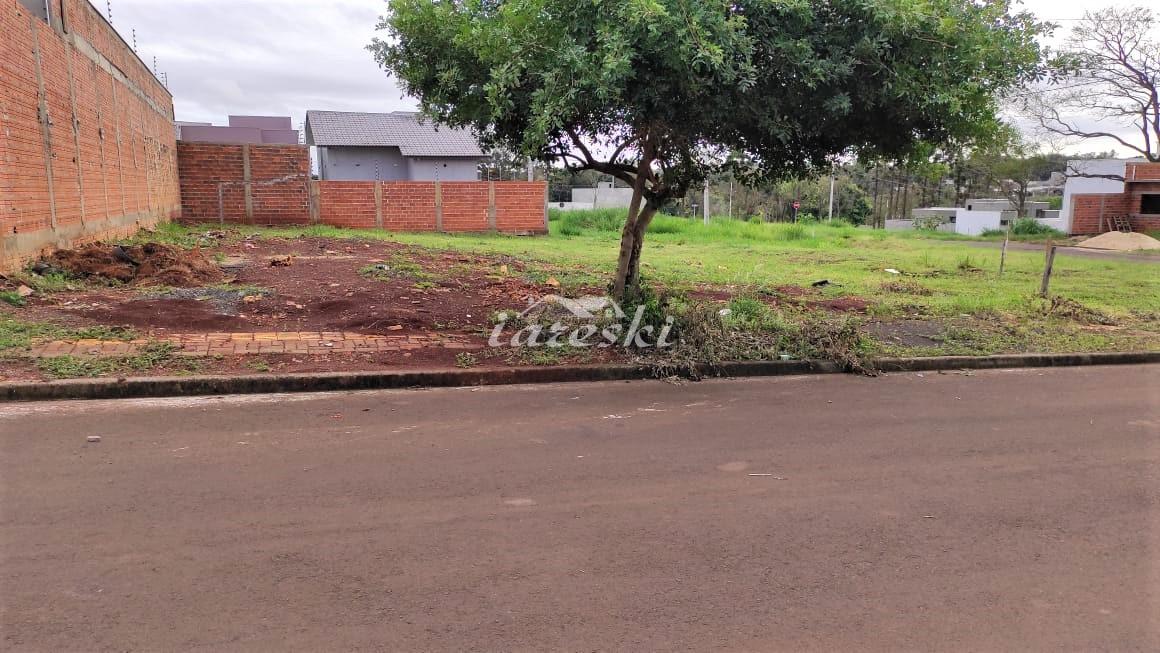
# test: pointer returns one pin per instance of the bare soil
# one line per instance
(321, 284)
(148, 264)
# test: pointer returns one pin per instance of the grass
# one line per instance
(944, 277)
(12, 298)
(19, 334)
(148, 357)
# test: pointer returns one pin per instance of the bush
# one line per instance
(790, 232)
(929, 223)
(1029, 227)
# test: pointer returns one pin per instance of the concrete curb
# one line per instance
(177, 386)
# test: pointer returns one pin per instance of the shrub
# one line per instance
(1030, 227)
(929, 223)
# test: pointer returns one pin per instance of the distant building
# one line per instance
(253, 130)
(391, 146)
(604, 195)
(1099, 190)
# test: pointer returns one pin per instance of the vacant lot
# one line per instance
(883, 294)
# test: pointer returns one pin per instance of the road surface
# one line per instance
(1007, 510)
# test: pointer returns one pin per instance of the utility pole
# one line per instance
(730, 198)
(531, 171)
(705, 203)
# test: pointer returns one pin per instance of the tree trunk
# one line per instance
(631, 241)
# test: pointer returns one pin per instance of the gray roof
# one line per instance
(412, 133)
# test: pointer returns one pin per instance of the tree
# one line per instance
(1107, 76)
(660, 93)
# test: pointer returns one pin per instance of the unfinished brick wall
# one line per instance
(246, 184)
(1087, 211)
(214, 179)
(87, 148)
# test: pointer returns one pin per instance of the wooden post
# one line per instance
(1003, 253)
(1048, 264)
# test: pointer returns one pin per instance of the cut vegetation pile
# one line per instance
(152, 264)
(1121, 242)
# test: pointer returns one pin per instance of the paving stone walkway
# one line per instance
(272, 342)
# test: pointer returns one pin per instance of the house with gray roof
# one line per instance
(397, 146)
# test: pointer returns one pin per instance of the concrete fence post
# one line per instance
(378, 205)
(491, 212)
(314, 199)
(247, 184)
(438, 206)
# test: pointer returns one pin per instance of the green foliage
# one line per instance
(12, 298)
(880, 76)
(50, 282)
(466, 360)
(1029, 227)
(676, 91)
(929, 222)
(397, 267)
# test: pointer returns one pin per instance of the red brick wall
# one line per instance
(1143, 172)
(213, 183)
(107, 127)
(520, 205)
(280, 194)
(1086, 211)
(407, 205)
(348, 204)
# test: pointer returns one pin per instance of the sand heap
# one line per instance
(1121, 242)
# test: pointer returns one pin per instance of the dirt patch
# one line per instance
(842, 304)
(906, 287)
(908, 333)
(177, 315)
(148, 264)
(1071, 309)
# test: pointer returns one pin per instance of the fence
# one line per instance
(271, 185)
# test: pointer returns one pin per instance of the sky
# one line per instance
(282, 57)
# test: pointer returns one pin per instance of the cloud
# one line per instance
(262, 56)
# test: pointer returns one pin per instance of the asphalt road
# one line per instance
(1015, 510)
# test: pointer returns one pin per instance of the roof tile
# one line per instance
(412, 133)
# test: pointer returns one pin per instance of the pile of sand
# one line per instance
(148, 264)
(1121, 242)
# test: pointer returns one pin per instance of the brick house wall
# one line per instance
(271, 185)
(87, 147)
(1140, 179)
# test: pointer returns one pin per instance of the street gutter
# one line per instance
(179, 386)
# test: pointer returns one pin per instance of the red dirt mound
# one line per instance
(148, 264)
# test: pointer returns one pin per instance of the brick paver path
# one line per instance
(272, 342)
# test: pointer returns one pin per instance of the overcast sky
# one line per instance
(282, 57)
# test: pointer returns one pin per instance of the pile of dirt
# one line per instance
(151, 264)
(1121, 242)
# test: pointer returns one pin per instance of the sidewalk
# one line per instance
(270, 342)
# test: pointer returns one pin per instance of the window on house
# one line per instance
(36, 7)
(1150, 204)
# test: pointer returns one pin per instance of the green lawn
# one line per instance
(1100, 305)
